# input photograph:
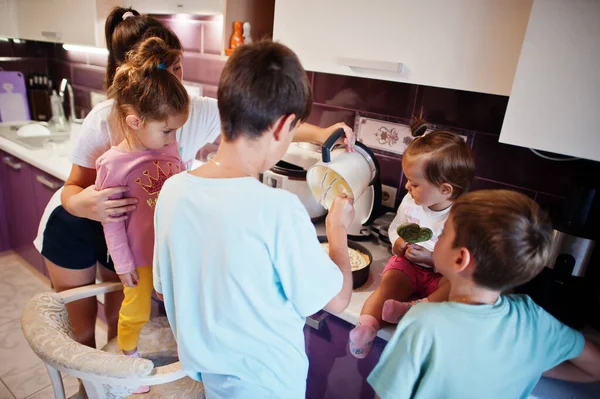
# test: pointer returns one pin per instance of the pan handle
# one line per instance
(328, 144)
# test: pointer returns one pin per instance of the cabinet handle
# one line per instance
(316, 321)
(385, 66)
(52, 185)
(12, 164)
(51, 35)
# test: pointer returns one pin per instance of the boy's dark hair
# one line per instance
(260, 83)
(122, 35)
(449, 159)
(507, 233)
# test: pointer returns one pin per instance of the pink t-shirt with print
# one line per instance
(131, 242)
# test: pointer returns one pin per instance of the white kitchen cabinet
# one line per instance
(200, 7)
(555, 100)
(64, 21)
(461, 44)
(8, 18)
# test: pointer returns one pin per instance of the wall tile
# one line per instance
(59, 70)
(5, 49)
(82, 97)
(326, 116)
(189, 33)
(30, 48)
(483, 184)
(202, 69)
(98, 60)
(89, 76)
(391, 170)
(463, 109)
(213, 37)
(377, 96)
(26, 66)
(520, 167)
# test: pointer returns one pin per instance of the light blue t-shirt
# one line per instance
(452, 350)
(240, 267)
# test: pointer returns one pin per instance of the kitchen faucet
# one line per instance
(65, 85)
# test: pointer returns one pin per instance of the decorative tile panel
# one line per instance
(383, 135)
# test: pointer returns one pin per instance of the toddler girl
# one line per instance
(150, 104)
(438, 168)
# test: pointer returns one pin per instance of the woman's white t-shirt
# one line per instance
(95, 138)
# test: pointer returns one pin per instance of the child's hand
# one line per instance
(418, 254)
(399, 247)
(129, 279)
(341, 212)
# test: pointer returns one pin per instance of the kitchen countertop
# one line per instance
(54, 161)
(381, 255)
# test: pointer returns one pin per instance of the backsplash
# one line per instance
(343, 98)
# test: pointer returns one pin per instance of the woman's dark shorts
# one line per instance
(74, 243)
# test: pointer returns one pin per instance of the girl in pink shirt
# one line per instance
(150, 104)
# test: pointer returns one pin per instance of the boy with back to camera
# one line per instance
(239, 263)
(481, 344)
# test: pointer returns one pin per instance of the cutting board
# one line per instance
(13, 97)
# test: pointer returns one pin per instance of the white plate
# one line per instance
(33, 130)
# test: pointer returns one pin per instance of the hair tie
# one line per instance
(127, 15)
(162, 65)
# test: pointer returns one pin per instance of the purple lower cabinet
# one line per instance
(21, 212)
(333, 373)
(4, 237)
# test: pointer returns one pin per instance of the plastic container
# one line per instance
(58, 122)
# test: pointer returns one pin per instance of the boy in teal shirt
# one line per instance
(481, 344)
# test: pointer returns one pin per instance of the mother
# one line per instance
(70, 235)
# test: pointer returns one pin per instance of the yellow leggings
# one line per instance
(135, 309)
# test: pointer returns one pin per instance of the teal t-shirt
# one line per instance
(453, 350)
(240, 268)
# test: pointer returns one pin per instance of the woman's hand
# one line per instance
(314, 134)
(80, 198)
(350, 135)
(97, 205)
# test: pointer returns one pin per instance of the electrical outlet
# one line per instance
(388, 196)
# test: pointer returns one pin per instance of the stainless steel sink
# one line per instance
(9, 131)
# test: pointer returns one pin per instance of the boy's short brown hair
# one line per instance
(507, 233)
(260, 83)
(449, 159)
